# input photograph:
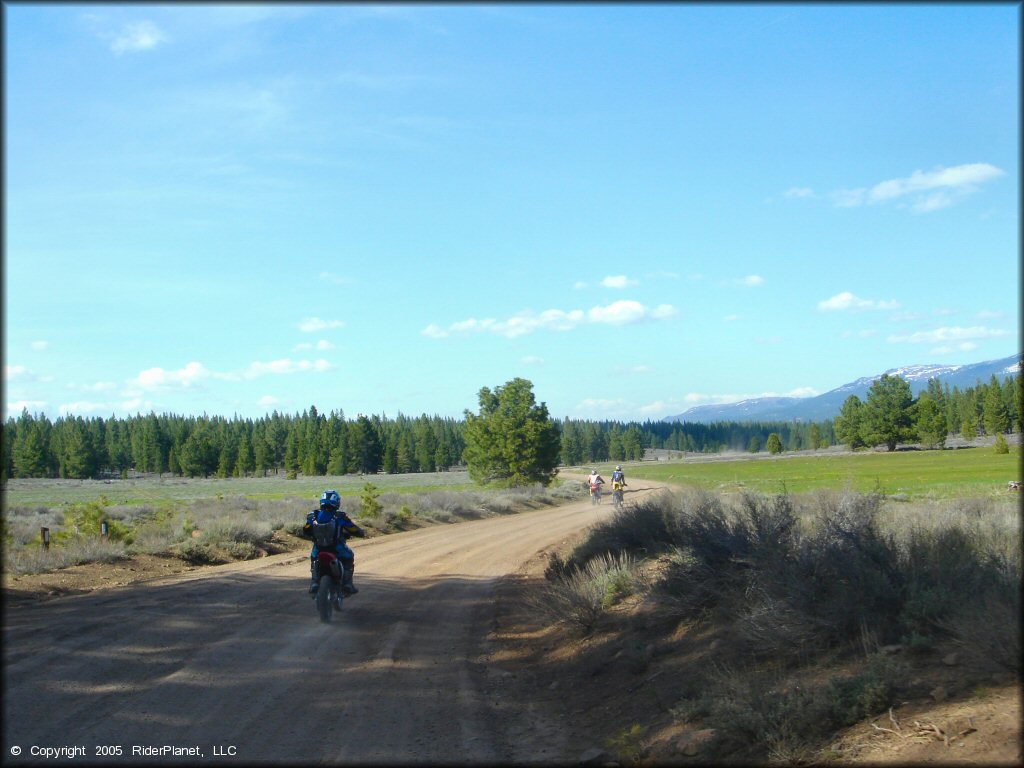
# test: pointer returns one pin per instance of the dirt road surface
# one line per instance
(234, 664)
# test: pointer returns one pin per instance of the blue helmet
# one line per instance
(330, 500)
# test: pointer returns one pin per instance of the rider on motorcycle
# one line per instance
(618, 476)
(594, 481)
(330, 510)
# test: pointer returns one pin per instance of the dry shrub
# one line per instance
(583, 596)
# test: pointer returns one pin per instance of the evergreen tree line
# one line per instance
(213, 446)
(590, 442)
(312, 443)
(890, 414)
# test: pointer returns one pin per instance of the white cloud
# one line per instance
(732, 318)
(154, 378)
(846, 301)
(32, 406)
(580, 285)
(987, 314)
(137, 404)
(751, 280)
(928, 190)
(18, 373)
(324, 344)
(967, 346)
(531, 360)
(140, 36)
(313, 324)
(618, 281)
(799, 192)
(623, 312)
(267, 401)
(947, 335)
(39, 345)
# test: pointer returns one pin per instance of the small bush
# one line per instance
(582, 596)
(196, 552)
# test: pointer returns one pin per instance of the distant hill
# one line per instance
(828, 405)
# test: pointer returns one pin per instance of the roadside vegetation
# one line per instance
(784, 618)
(219, 528)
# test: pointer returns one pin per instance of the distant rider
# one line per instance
(330, 511)
(595, 481)
(618, 476)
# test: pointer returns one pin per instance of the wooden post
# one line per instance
(45, 533)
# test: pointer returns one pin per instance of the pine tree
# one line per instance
(931, 422)
(848, 424)
(774, 444)
(512, 441)
(997, 420)
(888, 412)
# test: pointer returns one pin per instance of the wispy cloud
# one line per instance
(750, 280)
(945, 335)
(156, 378)
(618, 281)
(926, 190)
(267, 400)
(314, 324)
(39, 346)
(966, 346)
(14, 408)
(623, 312)
(799, 193)
(848, 302)
(136, 37)
(532, 360)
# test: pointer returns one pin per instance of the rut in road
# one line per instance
(237, 656)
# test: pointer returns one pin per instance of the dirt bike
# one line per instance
(328, 595)
(595, 493)
(617, 487)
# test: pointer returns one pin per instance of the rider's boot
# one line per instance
(347, 587)
(314, 583)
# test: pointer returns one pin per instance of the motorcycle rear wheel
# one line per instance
(325, 598)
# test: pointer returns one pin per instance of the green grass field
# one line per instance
(921, 474)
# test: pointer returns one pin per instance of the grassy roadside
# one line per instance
(756, 625)
(206, 525)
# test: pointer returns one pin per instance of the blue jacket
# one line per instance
(344, 528)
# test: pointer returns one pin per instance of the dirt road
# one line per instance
(233, 663)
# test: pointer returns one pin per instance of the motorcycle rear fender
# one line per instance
(327, 562)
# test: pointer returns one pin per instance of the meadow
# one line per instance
(976, 471)
(150, 489)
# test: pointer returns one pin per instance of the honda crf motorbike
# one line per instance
(328, 595)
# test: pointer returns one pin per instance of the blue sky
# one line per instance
(232, 209)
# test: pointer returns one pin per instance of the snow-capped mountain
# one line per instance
(828, 405)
